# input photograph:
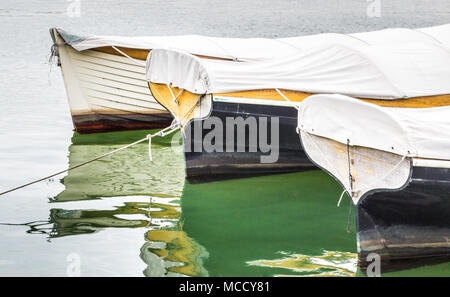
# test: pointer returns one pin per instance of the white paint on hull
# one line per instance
(98, 82)
(255, 101)
(431, 163)
(369, 169)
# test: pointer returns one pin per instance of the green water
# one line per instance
(244, 224)
(126, 216)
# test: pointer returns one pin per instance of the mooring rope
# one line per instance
(139, 63)
(166, 131)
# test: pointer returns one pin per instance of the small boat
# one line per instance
(104, 76)
(394, 163)
(246, 112)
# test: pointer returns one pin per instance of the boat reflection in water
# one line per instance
(278, 225)
(125, 191)
(264, 226)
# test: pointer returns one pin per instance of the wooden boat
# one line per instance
(203, 93)
(394, 163)
(104, 76)
(106, 91)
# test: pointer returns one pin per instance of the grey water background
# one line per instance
(36, 131)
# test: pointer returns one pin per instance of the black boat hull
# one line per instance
(413, 222)
(205, 166)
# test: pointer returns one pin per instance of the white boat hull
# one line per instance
(107, 92)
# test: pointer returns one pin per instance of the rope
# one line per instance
(233, 57)
(349, 217)
(179, 94)
(350, 180)
(171, 92)
(287, 99)
(172, 128)
(350, 177)
(175, 126)
(139, 63)
(342, 195)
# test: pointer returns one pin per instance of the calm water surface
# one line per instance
(125, 216)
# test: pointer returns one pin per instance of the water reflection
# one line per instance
(229, 228)
(127, 173)
(279, 225)
(245, 223)
(328, 264)
(127, 191)
(173, 253)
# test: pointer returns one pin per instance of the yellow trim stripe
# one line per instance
(187, 101)
(271, 94)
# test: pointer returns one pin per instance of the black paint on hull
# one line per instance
(95, 123)
(410, 223)
(204, 166)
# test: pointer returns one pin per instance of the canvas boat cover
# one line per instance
(393, 71)
(258, 48)
(413, 132)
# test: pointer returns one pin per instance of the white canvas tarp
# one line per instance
(393, 71)
(414, 132)
(438, 35)
(228, 48)
(258, 48)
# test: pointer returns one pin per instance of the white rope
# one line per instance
(233, 57)
(168, 130)
(287, 99)
(171, 92)
(340, 198)
(179, 94)
(172, 128)
(139, 63)
(175, 98)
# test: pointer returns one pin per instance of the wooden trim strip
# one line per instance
(141, 54)
(295, 96)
